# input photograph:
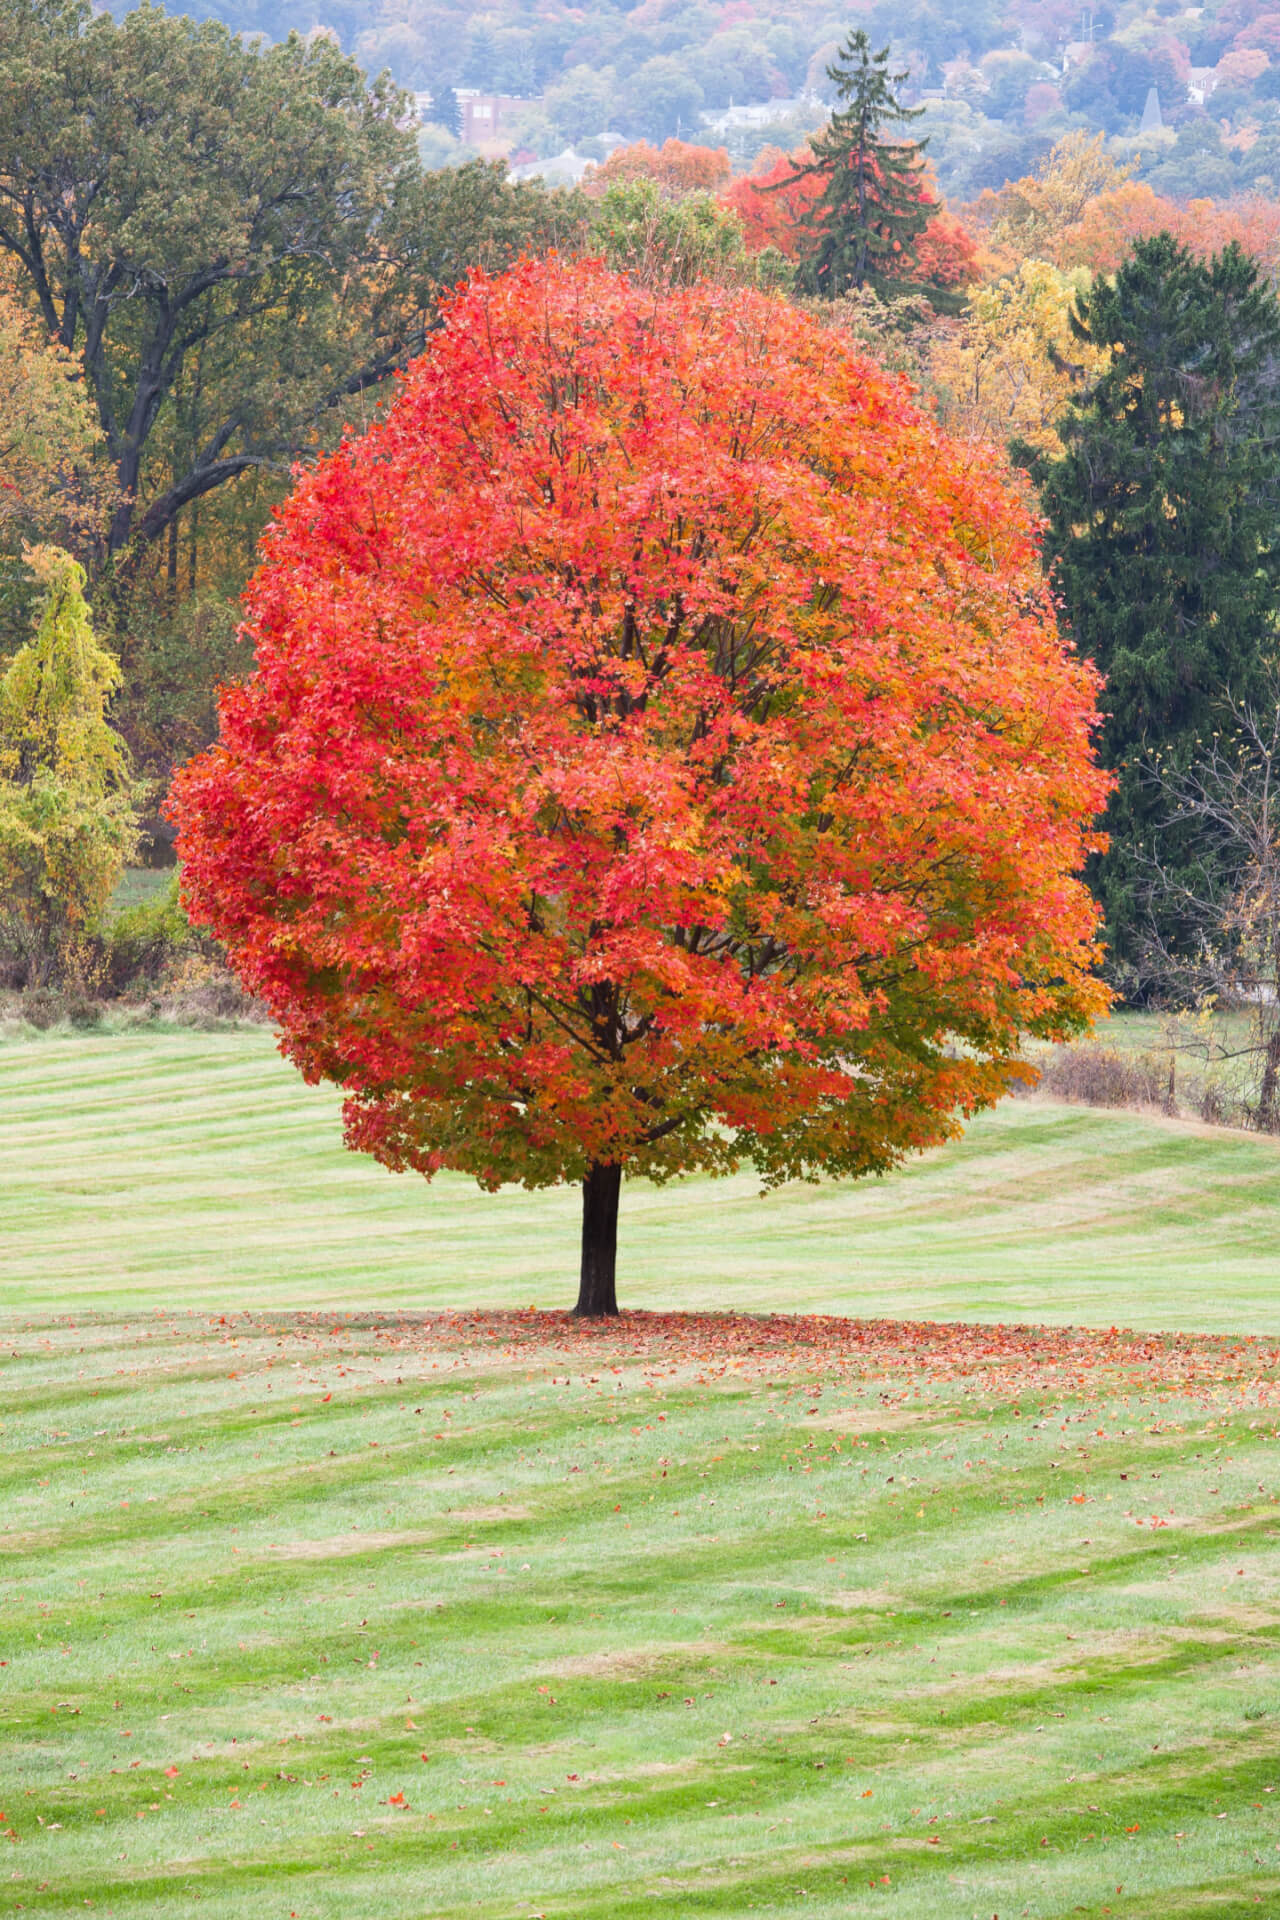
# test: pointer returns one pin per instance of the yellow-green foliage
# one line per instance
(148, 937)
(66, 812)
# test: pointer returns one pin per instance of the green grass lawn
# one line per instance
(137, 887)
(382, 1611)
(195, 1168)
(381, 1616)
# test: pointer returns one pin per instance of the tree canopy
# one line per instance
(50, 442)
(1162, 510)
(713, 789)
(194, 216)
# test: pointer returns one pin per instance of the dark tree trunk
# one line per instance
(1270, 1086)
(597, 1293)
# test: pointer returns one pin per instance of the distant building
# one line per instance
(761, 113)
(558, 170)
(1152, 119)
(488, 116)
(485, 116)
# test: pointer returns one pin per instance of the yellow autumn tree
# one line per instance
(1005, 370)
(1029, 219)
(66, 809)
(52, 475)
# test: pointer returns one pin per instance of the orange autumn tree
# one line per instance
(1110, 226)
(660, 756)
(677, 166)
(774, 202)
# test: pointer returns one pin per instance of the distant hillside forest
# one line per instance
(1195, 88)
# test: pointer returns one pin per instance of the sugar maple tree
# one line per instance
(660, 756)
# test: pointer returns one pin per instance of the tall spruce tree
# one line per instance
(1162, 529)
(863, 223)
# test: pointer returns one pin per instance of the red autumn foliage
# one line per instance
(1262, 32)
(905, 1361)
(945, 254)
(660, 752)
(774, 218)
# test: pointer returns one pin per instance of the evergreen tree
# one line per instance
(446, 110)
(480, 61)
(864, 221)
(1162, 515)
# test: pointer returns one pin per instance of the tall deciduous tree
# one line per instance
(869, 210)
(660, 756)
(1162, 515)
(167, 190)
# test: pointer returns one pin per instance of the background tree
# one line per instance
(165, 189)
(661, 101)
(51, 476)
(234, 246)
(862, 223)
(778, 204)
(446, 109)
(668, 242)
(1229, 899)
(477, 216)
(677, 166)
(1109, 227)
(1030, 217)
(711, 790)
(775, 202)
(66, 814)
(1009, 366)
(54, 478)
(1162, 512)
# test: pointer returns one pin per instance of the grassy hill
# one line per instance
(196, 1168)
(490, 1616)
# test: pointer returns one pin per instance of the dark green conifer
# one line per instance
(446, 110)
(1162, 529)
(863, 224)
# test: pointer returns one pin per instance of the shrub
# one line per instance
(1099, 1077)
(145, 941)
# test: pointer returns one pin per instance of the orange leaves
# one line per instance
(677, 166)
(772, 213)
(660, 753)
(1110, 226)
(995, 1362)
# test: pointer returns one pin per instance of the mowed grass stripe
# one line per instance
(198, 1168)
(763, 1711)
